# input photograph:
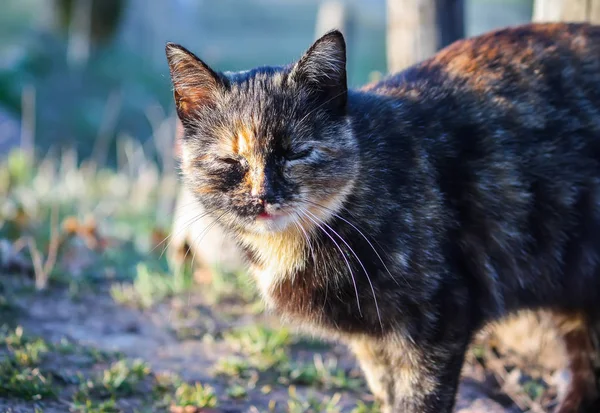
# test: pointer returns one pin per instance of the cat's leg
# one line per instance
(409, 378)
(581, 395)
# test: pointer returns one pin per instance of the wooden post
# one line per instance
(566, 10)
(331, 15)
(416, 29)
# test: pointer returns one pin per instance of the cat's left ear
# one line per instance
(323, 69)
(195, 85)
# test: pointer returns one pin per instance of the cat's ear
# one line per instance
(323, 68)
(195, 85)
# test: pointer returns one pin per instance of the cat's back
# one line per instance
(528, 59)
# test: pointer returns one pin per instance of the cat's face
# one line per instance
(268, 148)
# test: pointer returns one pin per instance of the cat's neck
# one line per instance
(273, 256)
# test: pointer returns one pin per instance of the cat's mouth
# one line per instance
(265, 215)
(269, 221)
(271, 216)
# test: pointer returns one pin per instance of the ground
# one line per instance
(93, 320)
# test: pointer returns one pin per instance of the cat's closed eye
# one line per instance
(230, 160)
(294, 155)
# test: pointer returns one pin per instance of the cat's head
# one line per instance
(266, 148)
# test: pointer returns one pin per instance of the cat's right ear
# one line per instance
(323, 68)
(195, 85)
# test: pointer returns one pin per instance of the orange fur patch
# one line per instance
(244, 144)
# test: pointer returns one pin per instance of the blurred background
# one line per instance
(97, 67)
(115, 296)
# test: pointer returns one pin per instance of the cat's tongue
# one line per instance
(265, 215)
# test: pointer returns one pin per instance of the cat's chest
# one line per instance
(317, 298)
(273, 260)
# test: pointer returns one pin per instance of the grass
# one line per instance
(24, 382)
(123, 377)
(227, 286)
(25, 375)
(267, 356)
(150, 287)
(20, 374)
(323, 374)
(312, 404)
(195, 395)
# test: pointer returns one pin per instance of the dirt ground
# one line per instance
(184, 335)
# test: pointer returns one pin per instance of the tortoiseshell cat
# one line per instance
(402, 217)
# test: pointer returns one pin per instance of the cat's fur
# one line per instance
(402, 217)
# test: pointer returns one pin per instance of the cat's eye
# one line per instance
(295, 155)
(230, 161)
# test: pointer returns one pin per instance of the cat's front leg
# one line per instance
(409, 378)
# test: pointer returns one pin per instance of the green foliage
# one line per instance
(196, 395)
(95, 406)
(362, 407)
(20, 375)
(265, 348)
(312, 404)
(227, 285)
(236, 391)
(19, 167)
(326, 375)
(123, 377)
(150, 287)
(24, 382)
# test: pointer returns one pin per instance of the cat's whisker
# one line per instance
(359, 262)
(335, 214)
(189, 204)
(171, 236)
(312, 252)
(308, 243)
(304, 213)
(200, 236)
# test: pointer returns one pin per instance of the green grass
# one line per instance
(20, 373)
(235, 367)
(128, 204)
(196, 395)
(265, 347)
(25, 383)
(234, 286)
(263, 350)
(322, 374)
(123, 378)
(150, 287)
(236, 391)
(267, 357)
(312, 404)
(25, 375)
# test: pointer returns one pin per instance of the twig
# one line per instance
(43, 269)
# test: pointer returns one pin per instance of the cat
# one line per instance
(404, 216)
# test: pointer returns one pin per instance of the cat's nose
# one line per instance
(268, 203)
(266, 206)
(265, 195)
